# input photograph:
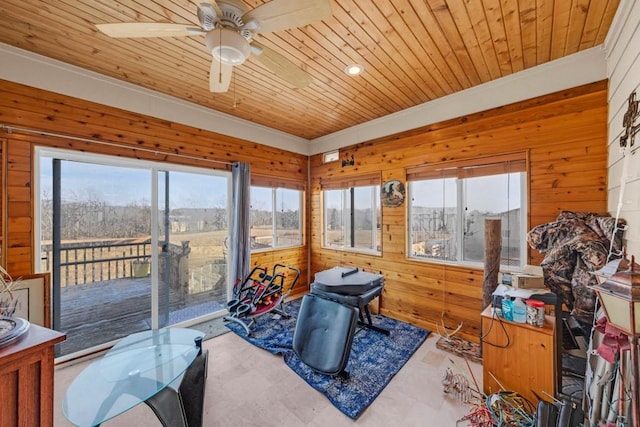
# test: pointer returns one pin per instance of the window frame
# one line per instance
(462, 170)
(274, 184)
(347, 186)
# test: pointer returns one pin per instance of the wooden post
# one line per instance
(492, 248)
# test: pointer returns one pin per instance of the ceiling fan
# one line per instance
(229, 29)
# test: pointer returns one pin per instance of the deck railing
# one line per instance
(89, 262)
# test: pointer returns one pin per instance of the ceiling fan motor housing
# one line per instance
(228, 42)
(227, 46)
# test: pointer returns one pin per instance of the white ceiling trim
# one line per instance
(584, 67)
(39, 71)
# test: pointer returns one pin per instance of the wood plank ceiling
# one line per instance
(413, 51)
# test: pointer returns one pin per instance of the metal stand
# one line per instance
(361, 302)
(369, 324)
(183, 407)
(635, 393)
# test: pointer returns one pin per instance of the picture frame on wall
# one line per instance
(32, 295)
(393, 193)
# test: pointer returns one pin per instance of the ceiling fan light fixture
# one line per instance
(354, 69)
(227, 46)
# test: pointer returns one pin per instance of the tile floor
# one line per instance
(247, 386)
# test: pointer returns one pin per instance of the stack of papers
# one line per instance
(508, 291)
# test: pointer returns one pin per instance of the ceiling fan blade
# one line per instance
(208, 15)
(280, 65)
(148, 29)
(205, 5)
(215, 7)
(280, 15)
(219, 76)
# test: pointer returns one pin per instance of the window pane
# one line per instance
(513, 221)
(434, 218)
(105, 225)
(334, 218)
(347, 203)
(365, 214)
(193, 226)
(261, 217)
(288, 231)
(351, 218)
(495, 196)
(276, 216)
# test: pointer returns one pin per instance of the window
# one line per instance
(449, 203)
(351, 218)
(276, 214)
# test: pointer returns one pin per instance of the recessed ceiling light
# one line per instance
(354, 70)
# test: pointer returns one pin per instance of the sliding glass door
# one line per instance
(193, 219)
(131, 245)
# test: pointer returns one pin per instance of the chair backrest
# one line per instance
(324, 333)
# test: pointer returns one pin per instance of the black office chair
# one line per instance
(324, 334)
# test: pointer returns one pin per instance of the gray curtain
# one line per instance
(240, 257)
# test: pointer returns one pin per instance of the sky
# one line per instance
(363, 198)
(286, 200)
(122, 186)
(486, 194)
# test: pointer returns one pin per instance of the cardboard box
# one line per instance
(527, 281)
(531, 277)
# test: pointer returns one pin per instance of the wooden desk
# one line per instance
(26, 375)
(527, 364)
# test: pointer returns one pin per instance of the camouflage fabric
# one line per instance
(575, 245)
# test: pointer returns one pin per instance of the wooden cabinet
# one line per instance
(26, 375)
(521, 357)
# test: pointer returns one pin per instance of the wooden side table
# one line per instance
(26, 375)
(520, 356)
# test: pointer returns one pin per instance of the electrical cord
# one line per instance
(504, 329)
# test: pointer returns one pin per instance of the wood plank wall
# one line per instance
(27, 107)
(565, 134)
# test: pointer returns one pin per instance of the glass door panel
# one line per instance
(193, 225)
(94, 236)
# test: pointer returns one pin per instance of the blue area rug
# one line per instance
(374, 359)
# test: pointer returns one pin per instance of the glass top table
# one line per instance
(131, 372)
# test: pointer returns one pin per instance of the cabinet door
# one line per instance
(26, 375)
(518, 357)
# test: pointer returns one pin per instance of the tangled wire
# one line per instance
(508, 408)
(503, 409)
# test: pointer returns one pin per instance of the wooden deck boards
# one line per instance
(95, 313)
